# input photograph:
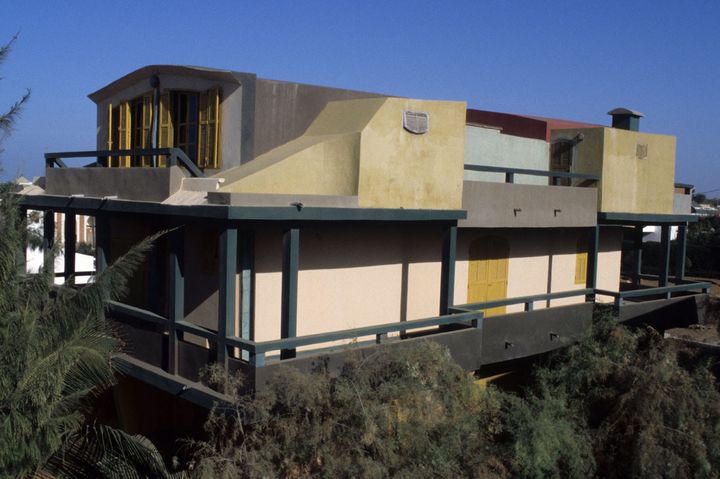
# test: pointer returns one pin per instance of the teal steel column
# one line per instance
(680, 253)
(227, 253)
(48, 238)
(247, 284)
(291, 261)
(447, 277)
(153, 258)
(102, 242)
(69, 246)
(665, 255)
(593, 248)
(176, 296)
(637, 264)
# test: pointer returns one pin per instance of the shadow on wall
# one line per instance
(526, 243)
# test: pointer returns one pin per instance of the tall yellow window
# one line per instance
(581, 260)
(186, 120)
(124, 132)
(209, 125)
(166, 131)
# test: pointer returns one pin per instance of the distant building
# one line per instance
(705, 210)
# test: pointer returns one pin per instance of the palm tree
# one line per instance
(55, 357)
(56, 352)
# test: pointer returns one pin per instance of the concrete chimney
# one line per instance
(625, 119)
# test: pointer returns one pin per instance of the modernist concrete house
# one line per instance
(304, 218)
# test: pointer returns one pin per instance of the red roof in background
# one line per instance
(536, 127)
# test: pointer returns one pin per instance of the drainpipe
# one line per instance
(155, 83)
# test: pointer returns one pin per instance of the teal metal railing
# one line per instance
(257, 349)
(528, 301)
(175, 157)
(665, 292)
(468, 315)
(557, 176)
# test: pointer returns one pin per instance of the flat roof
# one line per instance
(233, 212)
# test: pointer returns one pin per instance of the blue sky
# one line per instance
(565, 59)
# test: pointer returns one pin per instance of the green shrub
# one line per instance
(410, 413)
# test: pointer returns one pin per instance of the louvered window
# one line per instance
(581, 260)
(186, 120)
(416, 122)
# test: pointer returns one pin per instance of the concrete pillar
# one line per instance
(637, 263)
(447, 278)
(69, 245)
(227, 271)
(247, 279)
(176, 264)
(593, 248)
(48, 238)
(291, 260)
(664, 255)
(680, 253)
(102, 242)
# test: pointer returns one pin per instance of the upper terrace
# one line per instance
(260, 136)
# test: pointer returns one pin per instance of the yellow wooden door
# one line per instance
(488, 272)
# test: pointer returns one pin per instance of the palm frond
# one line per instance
(8, 119)
(100, 451)
(5, 49)
(56, 351)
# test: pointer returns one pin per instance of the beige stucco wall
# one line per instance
(628, 184)
(350, 277)
(359, 147)
(608, 276)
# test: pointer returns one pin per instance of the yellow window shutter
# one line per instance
(581, 262)
(124, 132)
(147, 112)
(208, 129)
(110, 134)
(165, 137)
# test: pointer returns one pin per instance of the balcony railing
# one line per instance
(557, 176)
(665, 292)
(528, 301)
(175, 157)
(469, 315)
(257, 349)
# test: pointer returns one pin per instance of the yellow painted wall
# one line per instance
(359, 147)
(646, 185)
(400, 169)
(309, 165)
(628, 184)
